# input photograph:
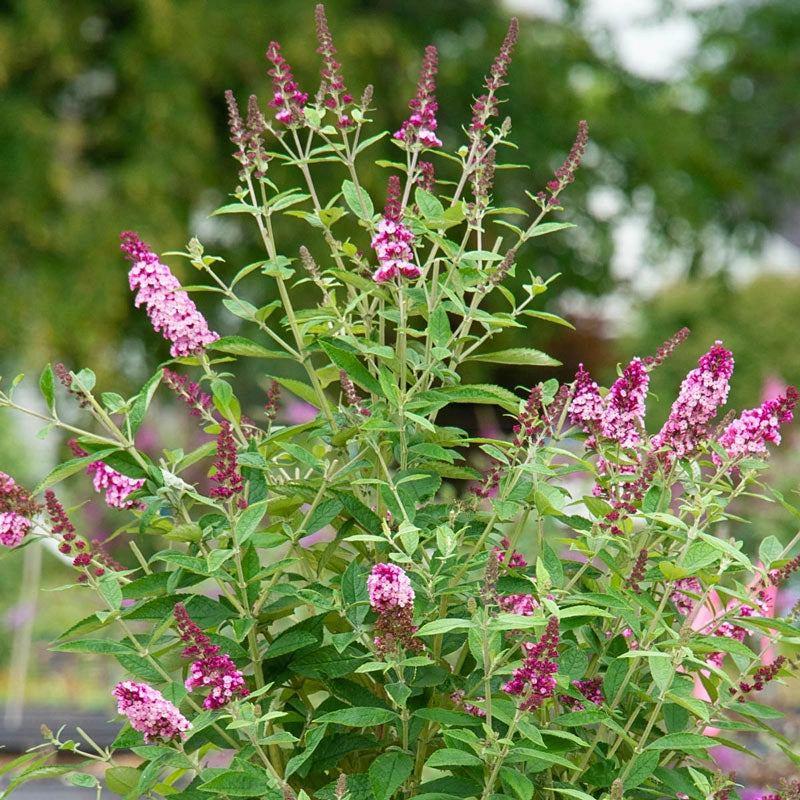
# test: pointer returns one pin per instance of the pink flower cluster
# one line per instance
(703, 390)
(149, 712)
(534, 681)
(392, 242)
(391, 595)
(198, 402)
(170, 309)
(420, 126)
(591, 689)
(117, 486)
(748, 435)
(210, 669)
(287, 97)
(458, 698)
(620, 415)
(16, 508)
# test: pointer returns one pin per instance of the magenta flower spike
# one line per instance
(534, 681)
(623, 409)
(169, 307)
(419, 129)
(392, 242)
(286, 95)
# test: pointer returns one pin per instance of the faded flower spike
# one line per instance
(149, 712)
(169, 307)
(420, 127)
(393, 240)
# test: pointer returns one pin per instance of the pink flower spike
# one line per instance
(169, 307)
(389, 587)
(534, 680)
(586, 407)
(748, 435)
(392, 243)
(287, 97)
(703, 390)
(418, 129)
(150, 713)
(623, 409)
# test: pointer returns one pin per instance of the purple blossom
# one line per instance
(586, 408)
(169, 307)
(17, 507)
(210, 669)
(748, 435)
(589, 688)
(419, 128)
(149, 713)
(116, 485)
(682, 602)
(227, 476)
(509, 558)
(623, 408)
(523, 604)
(458, 698)
(566, 173)
(391, 595)
(332, 81)
(198, 402)
(392, 242)
(389, 587)
(287, 97)
(534, 681)
(703, 390)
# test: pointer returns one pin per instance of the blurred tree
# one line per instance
(112, 117)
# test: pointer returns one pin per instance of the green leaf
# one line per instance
(614, 678)
(351, 197)
(449, 717)
(235, 208)
(105, 646)
(83, 779)
(552, 564)
(662, 671)
(439, 326)
(549, 227)
(302, 390)
(443, 626)
(361, 717)
(47, 387)
(682, 741)
(519, 785)
(355, 370)
(121, 780)
(450, 757)
(290, 642)
(111, 591)
(479, 393)
(236, 783)
(140, 668)
(241, 346)
(517, 355)
(769, 550)
(429, 206)
(70, 467)
(248, 522)
(388, 772)
(239, 308)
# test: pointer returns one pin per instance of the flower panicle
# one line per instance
(534, 681)
(485, 106)
(17, 508)
(150, 713)
(565, 174)
(228, 479)
(666, 349)
(419, 130)
(351, 396)
(393, 241)
(199, 402)
(171, 310)
(333, 92)
(392, 597)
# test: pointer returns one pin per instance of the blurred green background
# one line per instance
(112, 117)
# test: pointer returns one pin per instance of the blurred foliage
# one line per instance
(112, 117)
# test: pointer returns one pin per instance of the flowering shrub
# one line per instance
(329, 616)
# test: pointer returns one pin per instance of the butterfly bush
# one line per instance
(333, 593)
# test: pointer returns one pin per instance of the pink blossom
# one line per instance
(210, 669)
(586, 408)
(13, 528)
(534, 680)
(623, 407)
(287, 97)
(389, 587)
(523, 604)
(392, 242)
(169, 307)
(420, 126)
(149, 713)
(116, 485)
(703, 390)
(748, 435)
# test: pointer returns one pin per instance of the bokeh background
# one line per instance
(688, 210)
